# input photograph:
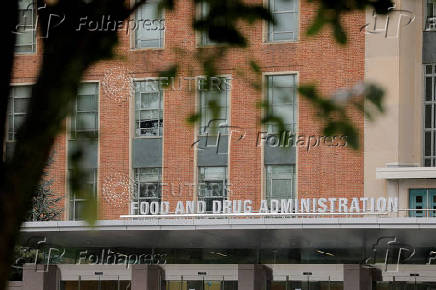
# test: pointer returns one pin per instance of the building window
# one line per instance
(83, 136)
(214, 97)
(149, 29)
(281, 97)
(430, 116)
(212, 183)
(422, 202)
(280, 182)
(204, 36)
(148, 186)
(285, 13)
(77, 201)
(18, 102)
(430, 24)
(84, 120)
(148, 109)
(26, 28)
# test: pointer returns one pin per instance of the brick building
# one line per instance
(143, 154)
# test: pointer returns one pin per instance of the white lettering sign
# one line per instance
(293, 205)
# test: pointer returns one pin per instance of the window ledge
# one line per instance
(405, 172)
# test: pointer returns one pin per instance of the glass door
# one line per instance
(422, 202)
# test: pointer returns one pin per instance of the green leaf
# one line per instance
(317, 24)
(193, 118)
(255, 67)
(340, 35)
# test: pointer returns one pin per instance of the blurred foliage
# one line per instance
(330, 12)
(220, 22)
(334, 111)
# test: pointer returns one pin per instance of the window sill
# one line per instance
(405, 172)
(148, 137)
(281, 42)
(147, 49)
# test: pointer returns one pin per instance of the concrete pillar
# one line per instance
(253, 277)
(41, 277)
(357, 277)
(147, 277)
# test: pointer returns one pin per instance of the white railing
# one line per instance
(428, 213)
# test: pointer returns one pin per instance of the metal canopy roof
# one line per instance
(256, 233)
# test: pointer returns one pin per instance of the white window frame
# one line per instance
(152, 180)
(202, 183)
(269, 181)
(268, 98)
(432, 128)
(12, 114)
(134, 37)
(204, 107)
(270, 27)
(136, 110)
(73, 131)
(71, 201)
(27, 28)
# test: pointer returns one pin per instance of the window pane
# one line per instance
(280, 181)
(22, 91)
(149, 190)
(212, 189)
(20, 105)
(26, 37)
(286, 27)
(24, 4)
(212, 183)
(18, 121)
(428, 69)
(428, 116)
(149, 113)
(283, 5)
(283, 81)
(281, 98)
(10, 123)
(147, 184)
(79, 210)
(285, 22)
(427, 144)
(428, 89)
(86, 121)
(213, 106)
(26, 19)
(146, 33)
(88, 89)
(213, 172)
(87, 103)
(284, 112)
(150, 100)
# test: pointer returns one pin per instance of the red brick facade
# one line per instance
(323, 171)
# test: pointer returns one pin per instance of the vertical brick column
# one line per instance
(41, 277)
(357, 277)
(253, 277)
(147, 277)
